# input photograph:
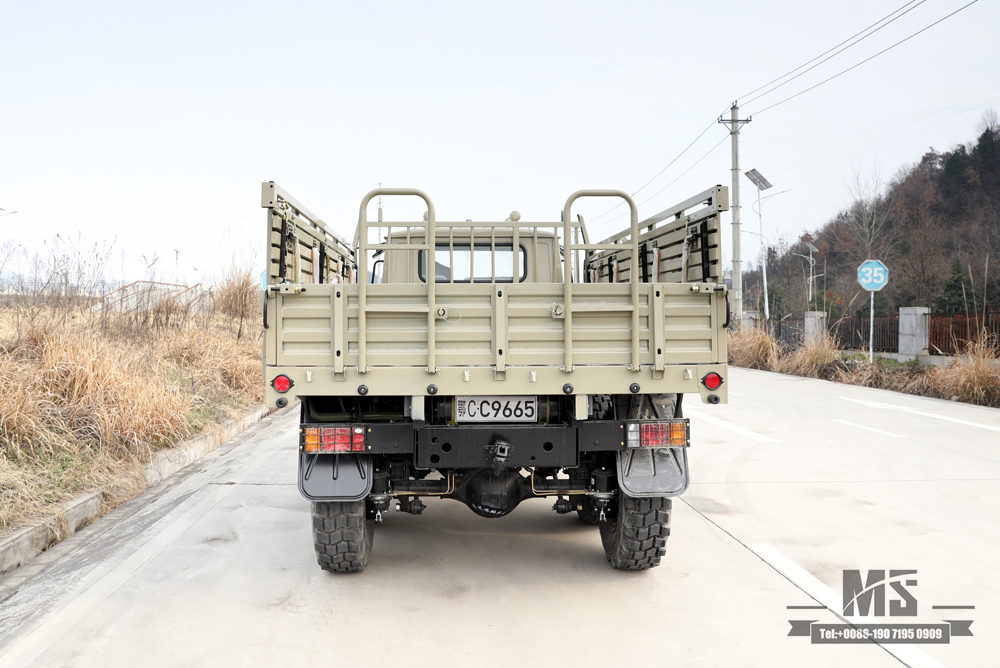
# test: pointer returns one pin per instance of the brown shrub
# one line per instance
(93, 381)
(214, 363)
(973, 376)
(106, 390)
(754, 348)
(236, 295)
(817, 359)
(83, 407)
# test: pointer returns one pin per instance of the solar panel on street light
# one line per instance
(758, 179)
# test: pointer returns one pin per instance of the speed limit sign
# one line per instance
(873, 275)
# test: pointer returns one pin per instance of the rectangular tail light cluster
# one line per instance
(658, 434)
(333, 439)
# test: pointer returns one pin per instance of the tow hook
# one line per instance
(500, 454)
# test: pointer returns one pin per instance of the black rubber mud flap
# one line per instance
(646, 472)
(335, 477)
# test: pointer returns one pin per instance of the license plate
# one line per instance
(496, 409)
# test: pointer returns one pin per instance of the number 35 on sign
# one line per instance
(873, 275)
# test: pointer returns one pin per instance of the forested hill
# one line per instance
(935, 224)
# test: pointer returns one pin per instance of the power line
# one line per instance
(867, 59)
(892, 16)
(679, 177)
(886, 20)
(700, 135)
(657, 175)
(824, 53)
(858, 41)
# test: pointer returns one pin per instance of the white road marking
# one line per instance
(877, 431)
(914, 411)
(807, 582)
(736, 429)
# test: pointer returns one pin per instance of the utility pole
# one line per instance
(735, 124)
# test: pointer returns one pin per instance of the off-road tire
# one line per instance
(602, 406)
(635, 533)
(342, 534)
(588, 514)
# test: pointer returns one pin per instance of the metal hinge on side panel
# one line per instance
(500, 352)
(657, 324)
(338, 331)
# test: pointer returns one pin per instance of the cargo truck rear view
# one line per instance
(493, 362)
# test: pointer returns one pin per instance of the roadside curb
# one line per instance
(170, 461)
(26, 543)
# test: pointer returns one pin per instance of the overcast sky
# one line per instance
(152, 125)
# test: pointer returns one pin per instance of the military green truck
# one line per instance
(493, 362)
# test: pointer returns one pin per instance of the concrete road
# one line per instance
(794, 481)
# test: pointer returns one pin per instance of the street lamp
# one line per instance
(812, 263)
(762, 184)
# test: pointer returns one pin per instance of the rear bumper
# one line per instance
(471, 446)
(348, 476)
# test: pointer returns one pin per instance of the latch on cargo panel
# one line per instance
(499, 454)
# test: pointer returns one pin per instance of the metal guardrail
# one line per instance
(851, 333)
(427, 232)
(789, 332)
(301, 247)
(588, 247)
(949, 333)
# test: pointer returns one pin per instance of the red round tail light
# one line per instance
(712, 381)
(281, 384)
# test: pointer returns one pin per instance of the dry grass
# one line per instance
(236, 296)
(86, 398)
(972, 377)
(817, 359)
(754, 348)
(907, 378)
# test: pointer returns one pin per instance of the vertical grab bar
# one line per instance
(430, 273)
(567, 276)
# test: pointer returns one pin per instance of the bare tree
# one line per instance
(7, 250)
(990, 120)
(865, 226)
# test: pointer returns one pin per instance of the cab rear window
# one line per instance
(460, 264)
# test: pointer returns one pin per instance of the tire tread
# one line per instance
(342, 535)
(638, 538)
